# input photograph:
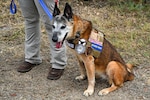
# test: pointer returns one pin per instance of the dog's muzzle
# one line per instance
(80, 47)
(55, 39)
(70, 41)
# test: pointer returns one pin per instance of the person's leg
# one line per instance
(32, 35)
(58, 56)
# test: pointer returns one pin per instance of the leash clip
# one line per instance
(13, 8)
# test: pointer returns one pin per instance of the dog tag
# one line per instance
(80, 48)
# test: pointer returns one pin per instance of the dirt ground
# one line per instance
(34, 85)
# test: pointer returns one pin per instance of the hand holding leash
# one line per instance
(57, 2)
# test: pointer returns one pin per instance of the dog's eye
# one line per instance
(63, 27)
(53, 26)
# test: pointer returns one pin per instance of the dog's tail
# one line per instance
(130, 69)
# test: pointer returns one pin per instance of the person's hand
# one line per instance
(57, 1)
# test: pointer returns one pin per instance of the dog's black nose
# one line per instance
(55, 38)
(77, 34)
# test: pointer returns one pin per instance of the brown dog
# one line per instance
(106, 62)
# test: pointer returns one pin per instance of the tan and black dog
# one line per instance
(107, 63)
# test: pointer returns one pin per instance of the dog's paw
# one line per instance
(88, 92)
(103, 92)
(80, 78)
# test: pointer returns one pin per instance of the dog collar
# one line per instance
(93, 46)
(71, 45)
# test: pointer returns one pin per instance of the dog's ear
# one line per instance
(56, 10)
(68, 11)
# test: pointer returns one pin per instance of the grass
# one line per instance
(126, 25)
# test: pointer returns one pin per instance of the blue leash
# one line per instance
(13, 8)
(46, 9)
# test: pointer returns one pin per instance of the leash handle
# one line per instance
(13, 7)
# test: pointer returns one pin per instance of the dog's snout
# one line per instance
(55, 38)
(70, 40)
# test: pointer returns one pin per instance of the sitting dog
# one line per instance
(96, 57)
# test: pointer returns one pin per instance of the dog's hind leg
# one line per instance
(116, 75)
(130, 74)
(107, 90)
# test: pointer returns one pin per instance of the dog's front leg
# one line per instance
(90, 69)
(82, 72)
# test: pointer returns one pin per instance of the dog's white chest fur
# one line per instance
(101, 75)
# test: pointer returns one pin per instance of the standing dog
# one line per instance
(107, 63)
